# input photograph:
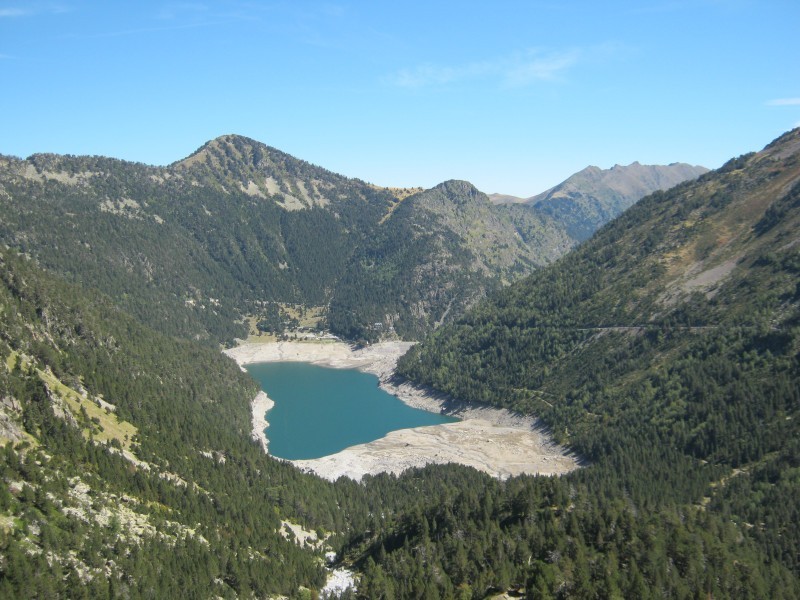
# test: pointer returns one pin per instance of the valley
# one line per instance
(399, 301)
(627, 383)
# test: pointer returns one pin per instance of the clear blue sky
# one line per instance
(512, 96)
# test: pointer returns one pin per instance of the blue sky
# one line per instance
(512, 96)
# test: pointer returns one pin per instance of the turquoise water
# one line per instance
(320, 411)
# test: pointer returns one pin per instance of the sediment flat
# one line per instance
(492, 440)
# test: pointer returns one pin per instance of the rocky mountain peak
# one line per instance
(460, 192)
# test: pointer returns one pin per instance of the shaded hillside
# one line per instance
(437, 253)
(189, 248)
(667, 343)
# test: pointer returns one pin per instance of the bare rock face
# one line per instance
(11, 420)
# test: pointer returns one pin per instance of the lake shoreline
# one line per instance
(260, 406)
(490, 439)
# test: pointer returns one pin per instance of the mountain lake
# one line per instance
(320, 411)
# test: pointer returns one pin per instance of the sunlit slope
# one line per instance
(667, 344)
(127, 458)
(592, 197)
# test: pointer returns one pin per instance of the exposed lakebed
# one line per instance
(492, 440)
(320, 411)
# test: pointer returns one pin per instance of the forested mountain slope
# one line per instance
(193, 247)
(438, 252)
(665, 349)
(128, 471)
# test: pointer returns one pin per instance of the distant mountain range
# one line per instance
(591, 197)
(194, 247)
(436, 254)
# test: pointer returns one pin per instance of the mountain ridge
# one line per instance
(594, 196)
(200, 244)
(261, 170)
(437, 253)
(665, 176)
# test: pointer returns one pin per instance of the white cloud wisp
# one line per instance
(784, 102)
(518, 70)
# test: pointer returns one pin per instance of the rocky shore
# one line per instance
(492, 440)
(260, 406)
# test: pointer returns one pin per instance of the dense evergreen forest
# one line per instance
(175, 451)
(178, 249)
(193, 248)
(419, 259)
(664, 350)
(151, 497)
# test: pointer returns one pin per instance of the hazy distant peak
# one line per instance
(506, 199)
(629, 181)
(634, 180)
(594, 196)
